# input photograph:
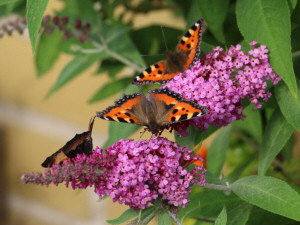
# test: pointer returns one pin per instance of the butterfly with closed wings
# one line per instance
(80, 144)
(164, 107)
(184, 56)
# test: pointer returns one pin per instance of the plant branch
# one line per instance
(218, 187)
(173, 217)
(295, 54)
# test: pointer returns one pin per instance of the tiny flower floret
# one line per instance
(131, 172)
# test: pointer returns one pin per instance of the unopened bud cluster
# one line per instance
(79, 29)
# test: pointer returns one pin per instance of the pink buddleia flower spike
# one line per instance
(134, 173)
(221, 80)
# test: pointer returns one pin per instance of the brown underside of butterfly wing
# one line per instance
(129, 109)
(81, 143)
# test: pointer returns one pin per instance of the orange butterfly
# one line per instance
(185, 55)
(163, 108)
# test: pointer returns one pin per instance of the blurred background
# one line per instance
(33, 127)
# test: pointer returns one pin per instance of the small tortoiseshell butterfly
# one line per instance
(81, 143)
(163, 108)
(185, 55)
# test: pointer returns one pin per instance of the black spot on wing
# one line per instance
(121, 120)
(182, 42)
(173, 119)
(148, 70)
(127, 114)
(183, 117)
(195, 114)
(187, 34)
(175, 111)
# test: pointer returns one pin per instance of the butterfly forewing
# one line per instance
(129, 109)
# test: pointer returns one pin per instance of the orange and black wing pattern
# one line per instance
(188, 46)
(190, 42)
(125, 110)
(80, 144)
(173, 109)
(155, 73)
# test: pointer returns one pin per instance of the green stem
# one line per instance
(173, 217)
(218, 187)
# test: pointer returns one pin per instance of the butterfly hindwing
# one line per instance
(128, 109)
(171, 108)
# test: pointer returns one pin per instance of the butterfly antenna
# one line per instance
(91, 124)
(152, 55)
(163, 33)
(142, 133)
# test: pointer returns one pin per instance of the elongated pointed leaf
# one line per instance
(268, 22)
(289, 105)
(163, 218)
(217, 151)
(34, 16)
(127, 215)
(239, 215)
(214, 13)
(47, 52)
(3, 2)
(269, 193)
(222, 217)
(74, 68)
(277, 134)
(110, 89)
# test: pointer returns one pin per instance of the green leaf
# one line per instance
(217, 151)
(47, 52)
(287, 150)
(202, 135)
(3, 2)
(110, 89)
(187, 141)
(112, 67)
(268, 22)
(269, 193)
(239, 215)
(237, 172)
(252, 124)
(148, 214)
(289, 105)
(163, 218)
(74, 68)
(208, 203)
(222, 217)
(292, 5)
(34, 16)
(263, 217)
(214, 13)
(278, 131)
(127, 215)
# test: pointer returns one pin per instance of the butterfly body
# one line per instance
(80, 144)
(184, 56)
(162, 108)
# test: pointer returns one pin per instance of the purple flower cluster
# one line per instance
(220, 80)
(130, 172)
